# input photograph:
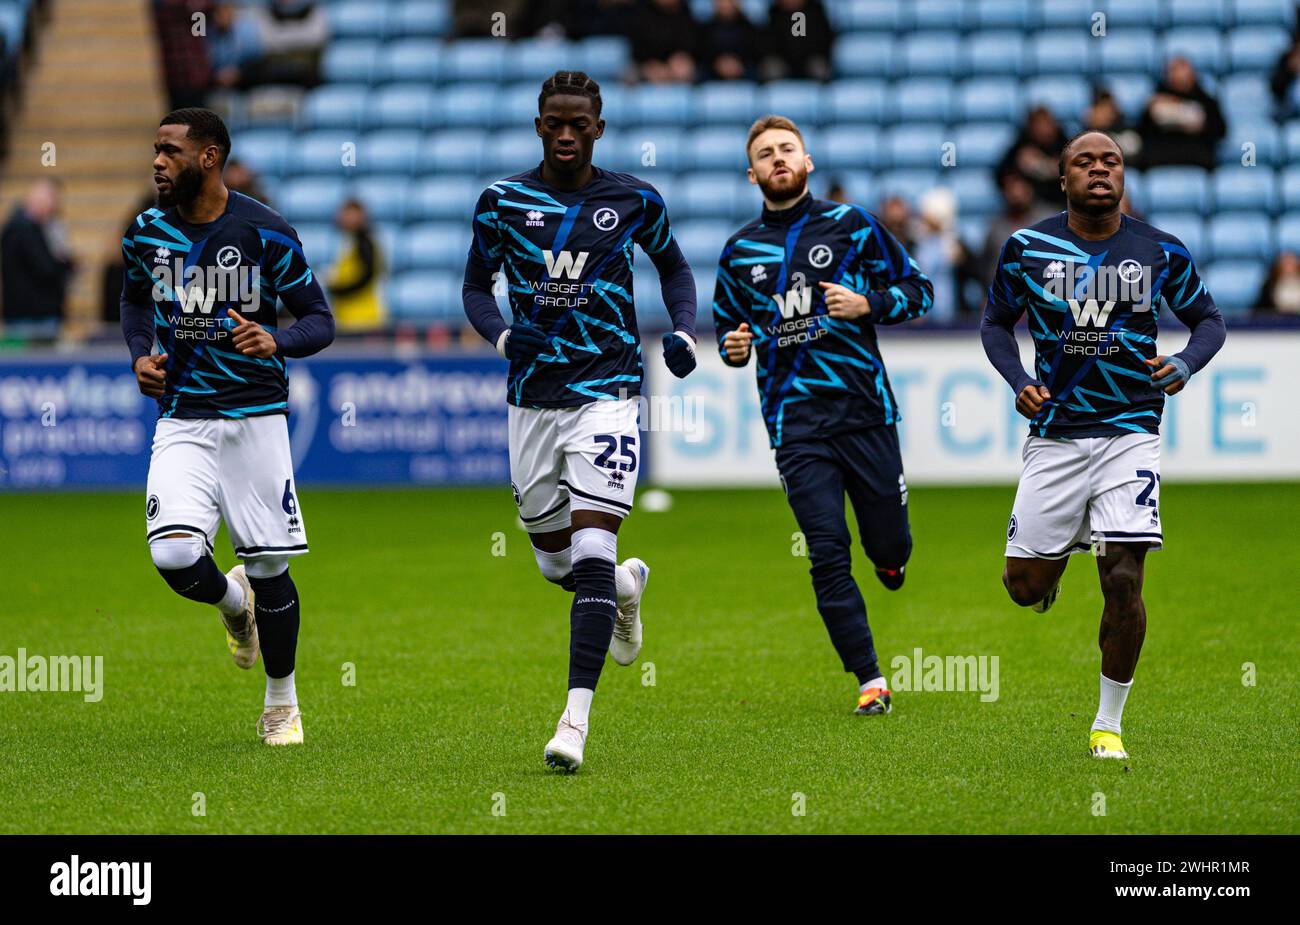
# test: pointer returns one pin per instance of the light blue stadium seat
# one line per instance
(1245, 95)
(353, 60)
(725, 102)
(459, 152)
(320, 242)
(982, 144)
(654, 149)
(1291, 140)
(511, 151)
(432, 245)
(425, 295)
(1065, 14)
(933, 14)
(976, 192)
(473, 59)
(517, 104)
(1279, 14)
(669, 188)
(707, 196)
(996, 14)
(867, 15)
(403, 105)
(604, 57)
(1133, 49)
(265, 150)
(621, 149)
(384, 199)
(335, 106)
(1188, 227)
(450, 197)
(909, 184)
(1288, 233)
(659, 104)
(860, 100)
(845, 146)
(1252, 189)
(310, 199)
(1121, 14)
(863, 54)
(465, 104)
(988, 99)
(614, 106)
(716, 149)
(390, 151)
(1241, 237)
(923, 99)
(537, 59)
(1291, 187)
(996, 52)
(1234, 284)
(358, 19)
(972, 229)
(1062, 51)
(928, 53)
(1176, 189)
(701, 240)
(420, 17)
(1215, 13)
(1255, 48)
(1202, 45)
(915, 145)
(321, 152)
(408, 59)
(1131, 92)
(801, 100)
(1065, 96)
(1260, 133)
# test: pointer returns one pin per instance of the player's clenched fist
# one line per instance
(1169, 374)
(251, 339)
(151, 374)
(736, 344)
(843, 302)
(1031, 399)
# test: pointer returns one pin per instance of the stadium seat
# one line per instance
(1131, 92)
(932, 14)
(928, 54)
(856, 101)
(384, 199)
(1234, 284)
(433, 245)
(1246, 95)
(925, 99)
(975, 190)
(1199, 13)
(1133, 49)
(339, 105)
(473, 59)
(1288, 233)
(716, 149)
(465, 104)
(604, 57)
(1121, 14)
(345, 61)
(1065, 14)
(863, 54)
(391, 151)
(537, 59)
(1252, 189)
(988, 99)
(517, 105)
(409, 59)
(1176, 189)
(319, 243)
(358, 19)
(1255, 48)
(1291, 140)
(511, 151)
(1065, 96)
(322, 152)
(909, 184)
(982, 144)
(1291, 187)
(1260, 133)
(419, 17)
(424, 295)
(708, 196)
(848, 147)
(1202, 45)
(1279, 14)
(459, 152)
(402, 105)
(800, 100)
(1241, 237)
(995, 14)
(995, 52)
(265, 150)
(661, 104)
(724, 102)
(1063, 51)
(701, 241)
(867, 15)
(1188, 227)
(310, 199)
(915, 145)
(443, 198)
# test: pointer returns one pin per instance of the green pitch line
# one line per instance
(459, 657)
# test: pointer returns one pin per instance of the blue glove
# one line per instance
(679, 355)
(1182, 372)
(524, 342)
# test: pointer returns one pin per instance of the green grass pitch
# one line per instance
(460, 660)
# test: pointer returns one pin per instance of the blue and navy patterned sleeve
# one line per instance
(135, 308)
(676, 283)
(894, 285)
(730, 308)
(292, 279)
(1006, 303)
(481, 265)
(1186, 295)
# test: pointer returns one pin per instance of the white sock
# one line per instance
(578, 707)
(233, 602)
(1113, 695)
(280, 692)
(875, 682)
(624, 585)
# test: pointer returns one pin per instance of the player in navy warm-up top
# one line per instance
(1091, 280)
(803, 288)
(563, 235)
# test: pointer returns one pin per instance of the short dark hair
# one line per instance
(1065, 151)
(570, 83)
(204, 126)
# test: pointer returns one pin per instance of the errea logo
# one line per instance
(758, 273)
(1055, 270)
(162, 254)
(535, 219)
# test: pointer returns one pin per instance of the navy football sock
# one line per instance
(276, 604)
(202, 581)
(591, 620)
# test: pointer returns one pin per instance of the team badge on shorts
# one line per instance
(518, 498)
(151, 507)
(1011, 528)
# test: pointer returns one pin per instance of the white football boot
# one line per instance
(626, 643)
(243, 644)
(282, 726)
(564, 751)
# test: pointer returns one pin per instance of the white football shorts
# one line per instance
(1073, 493)
(204, 471)
(583, 458)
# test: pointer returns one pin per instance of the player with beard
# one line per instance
(564, 234)
(803, 287)
(1091, 280)
(204, 271)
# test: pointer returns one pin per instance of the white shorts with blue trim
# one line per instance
(1074, 493)
(583, 458)
(206, 470)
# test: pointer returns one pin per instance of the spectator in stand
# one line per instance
(945, 258)
(1020, 210)
(234, 46)
(1285, 80)
(1035, 155)
(1104, 115)
(577, 19)
(1280, 294)
(835, 191)
(354, 280)
(896, 215)
(242, 179)
(184, 55)
(798, 41)
(1182, 123)
(664, 42)
(35, 263)
(476, 19)
(292, 35)
(730, 47)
